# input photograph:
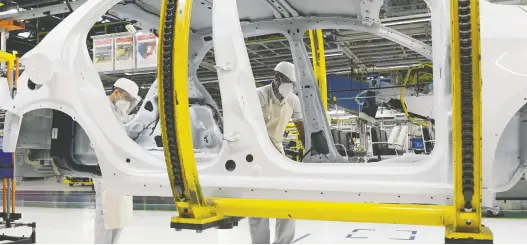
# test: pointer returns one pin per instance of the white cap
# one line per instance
(287, 69)
(129, 86)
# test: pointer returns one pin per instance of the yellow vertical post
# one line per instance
(175, 118)
(17, 71)
(319, 64)
(322, 79)
(313, 41)
(466, 124)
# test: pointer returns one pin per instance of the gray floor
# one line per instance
(65, 215)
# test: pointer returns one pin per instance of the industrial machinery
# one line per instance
(247, 175)
(9, 216)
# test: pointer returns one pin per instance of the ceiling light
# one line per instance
(329, 55)
(139, 73)
(407, 22)
(330, 52)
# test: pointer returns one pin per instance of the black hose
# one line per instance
(147, 126)
(307, 152)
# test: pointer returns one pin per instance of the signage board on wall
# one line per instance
(103, 52)
(124, 52)
(146, 50)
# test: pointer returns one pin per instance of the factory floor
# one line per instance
(68, 218)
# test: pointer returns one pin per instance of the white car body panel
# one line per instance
(70, 83)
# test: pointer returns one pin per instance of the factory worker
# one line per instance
(123, 99)
(279, 106)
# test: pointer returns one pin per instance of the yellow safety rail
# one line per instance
(197, 213)
(319, 64)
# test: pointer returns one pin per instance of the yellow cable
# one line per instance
(401, 97)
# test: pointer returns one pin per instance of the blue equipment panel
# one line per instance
(6, 162)
(417, 143)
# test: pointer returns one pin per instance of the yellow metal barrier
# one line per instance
(194, 210)
(333, 211)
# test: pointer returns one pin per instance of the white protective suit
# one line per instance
(276, 115)
(112, 212)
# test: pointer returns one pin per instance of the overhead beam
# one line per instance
(35, 3)
(370, 37)
(44, 11)
(352, 56)
(288, 7)
(276, 13)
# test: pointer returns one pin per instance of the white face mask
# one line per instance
(122, 105)
(285, 89)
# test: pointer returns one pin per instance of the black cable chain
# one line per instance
(467, 119)
(169, 97)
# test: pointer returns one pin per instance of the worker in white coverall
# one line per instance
(279, 106)
(125, 95)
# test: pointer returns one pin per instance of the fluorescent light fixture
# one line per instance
(330, 52)
(407, 22)
(329, 55)
(139, 73)
(25, 34)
